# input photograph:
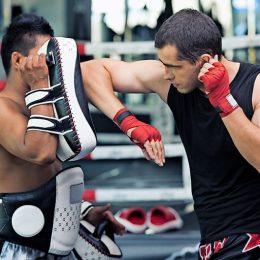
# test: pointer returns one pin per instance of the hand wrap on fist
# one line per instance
(216, 83)
(142, 132)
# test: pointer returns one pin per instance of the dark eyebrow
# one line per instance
(170, 65)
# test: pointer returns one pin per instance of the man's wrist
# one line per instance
(227, 105)
(85, 209)
(40, 84)
(121, 115)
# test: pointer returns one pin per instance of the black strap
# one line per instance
(219, 110)
(52, 94)
(122, 116)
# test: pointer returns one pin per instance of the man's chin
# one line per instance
(184, 91)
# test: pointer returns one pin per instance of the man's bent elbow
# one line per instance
(43, 158)
(46, 160)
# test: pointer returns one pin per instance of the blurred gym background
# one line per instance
(116, 172)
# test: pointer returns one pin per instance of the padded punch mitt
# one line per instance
(96, 243)
(72, 122)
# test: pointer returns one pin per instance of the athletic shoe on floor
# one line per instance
(134, 219)
(161, 219)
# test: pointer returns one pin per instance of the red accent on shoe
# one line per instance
(161, 219)
(134, 219)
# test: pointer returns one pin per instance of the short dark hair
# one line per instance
(192, 32)
(21, 34)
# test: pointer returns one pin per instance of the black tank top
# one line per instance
(225, 187)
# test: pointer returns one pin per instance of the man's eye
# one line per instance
(172, 68)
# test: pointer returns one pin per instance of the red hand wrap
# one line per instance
(216, 83)
(142, 131)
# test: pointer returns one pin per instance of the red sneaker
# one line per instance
(161, 219)
(134, 219)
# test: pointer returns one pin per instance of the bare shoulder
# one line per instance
(9, 111)
(256, 101)
(9, 105)
(256, 92)
(149, 75)
(151, 71)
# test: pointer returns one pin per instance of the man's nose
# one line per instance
(168, 75)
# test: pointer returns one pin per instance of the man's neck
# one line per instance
(231, 67)
(15, 89)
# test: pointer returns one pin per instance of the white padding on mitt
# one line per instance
(96, 243)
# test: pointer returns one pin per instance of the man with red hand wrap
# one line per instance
(216, 83)
(223, 152)
(141, 133)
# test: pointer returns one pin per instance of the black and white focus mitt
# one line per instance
(96, 242)
(72, 122)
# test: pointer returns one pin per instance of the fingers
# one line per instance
(118, 228)
(34, 70)
(214, 61)
(149, 147)
(154, 150)
(207, 66)
(200, 76)
(100, 213)
(204, 70)
(160, 159)
(42, 60)
(29, 62)
(23, 63)
(33, 62)
(146, 155)
(101, 209)
(148, 138)
(163, 151)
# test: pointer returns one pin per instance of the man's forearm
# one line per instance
(245, 135)
(99, 88)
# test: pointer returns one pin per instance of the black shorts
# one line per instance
(237, 247)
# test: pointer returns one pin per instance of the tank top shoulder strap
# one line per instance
(243, 85)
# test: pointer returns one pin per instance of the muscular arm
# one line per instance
(104, 76)
(245, 133)
(34, 146)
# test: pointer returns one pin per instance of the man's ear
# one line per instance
(15, 59)
(204, 58)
